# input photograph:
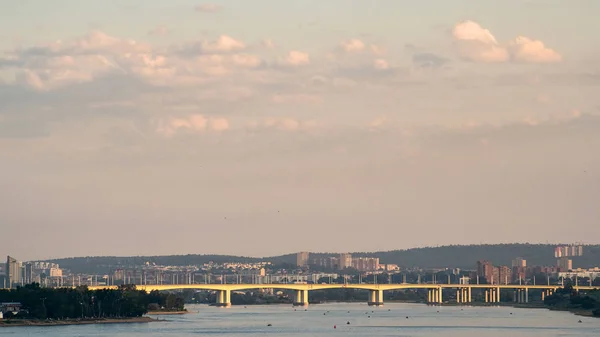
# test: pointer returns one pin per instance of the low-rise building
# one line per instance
(13, 307)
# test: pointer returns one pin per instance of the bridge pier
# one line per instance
(375, 298)
(301, 298)
(223, 298)
(435, 295)
(523, 295)
(463, 295)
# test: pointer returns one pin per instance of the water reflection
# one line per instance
(332, 319)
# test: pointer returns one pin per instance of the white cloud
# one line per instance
(219, 124)
(193, 123)
(283, 124)
(208, 8)
(297, 58)
(524, 49)
(224, 43)
(470, 30)
(381, 64)
(97, 54)
(82, 60)
(477, 44)
(353, 45)
(246, 60)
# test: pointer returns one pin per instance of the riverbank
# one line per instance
(156, 313)
(36, 322)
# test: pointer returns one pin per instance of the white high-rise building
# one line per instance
(345, 261)
(14, 272)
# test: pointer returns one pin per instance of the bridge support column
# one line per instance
(521, 296)
(486, 296)
(469, 295)
(301, 298)
(429, 296)
(223, 298)
(498, 294)
(526, 295)
(375, 298)
(440, 296)
(458, 293)
(543, 294)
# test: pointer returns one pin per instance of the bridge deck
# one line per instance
(291, 286)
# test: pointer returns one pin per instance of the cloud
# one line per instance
(224, 43)
(282, 124)
(246, 60)
(219, 124)
(356, 47)
(353, 45)
(297, 58)
(524, 49)
(208, 8)
(81, 60)
(191, 124)
(477, 44)
(97, 54)
(381, 64)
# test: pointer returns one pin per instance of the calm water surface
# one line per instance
(319, 320)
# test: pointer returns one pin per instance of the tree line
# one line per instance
(80, 302)
(454, 256)
(568, 298)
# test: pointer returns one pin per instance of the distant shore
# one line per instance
(36, 322)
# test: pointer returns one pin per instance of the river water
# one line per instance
(319, 320)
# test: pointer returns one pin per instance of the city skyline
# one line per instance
(267, 127)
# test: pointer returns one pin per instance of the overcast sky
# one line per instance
(264, 127)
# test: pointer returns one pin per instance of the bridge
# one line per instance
(435, 292)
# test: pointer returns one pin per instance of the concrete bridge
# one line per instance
(491, 292)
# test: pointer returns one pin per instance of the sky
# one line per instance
(257, 128)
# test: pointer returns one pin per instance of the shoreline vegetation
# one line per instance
(39, 306)
(39, 322)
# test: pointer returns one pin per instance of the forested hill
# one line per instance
(464, 257)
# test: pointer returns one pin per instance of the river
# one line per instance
(319, 320)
